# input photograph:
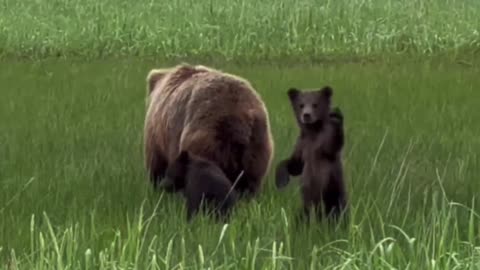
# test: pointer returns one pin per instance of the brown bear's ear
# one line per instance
(327, 91)
(153, 77)
(184, 156)
(293, 93)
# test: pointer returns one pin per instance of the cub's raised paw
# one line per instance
(337, 114)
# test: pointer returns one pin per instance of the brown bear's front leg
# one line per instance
(247, 186)
(194, 201)
(225, 206)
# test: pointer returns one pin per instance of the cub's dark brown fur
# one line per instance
(317, 153)
(203, 184)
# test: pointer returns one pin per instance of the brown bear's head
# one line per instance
(311, 107)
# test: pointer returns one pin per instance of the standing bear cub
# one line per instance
(212, 115)
(317, 153)
(204, 185)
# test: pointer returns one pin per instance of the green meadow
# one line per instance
(73, 189)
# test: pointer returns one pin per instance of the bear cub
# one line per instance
(203, 183)
(317, 153)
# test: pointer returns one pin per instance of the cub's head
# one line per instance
(311, 107)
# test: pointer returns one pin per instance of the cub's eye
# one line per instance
(301, 106)
(314, 105)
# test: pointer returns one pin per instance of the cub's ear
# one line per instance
(293, 93)
(153, 77)
(327, 91)
(184, 157)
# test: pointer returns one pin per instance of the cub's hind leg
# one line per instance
(335, 195)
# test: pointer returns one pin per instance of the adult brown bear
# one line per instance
(216, 116)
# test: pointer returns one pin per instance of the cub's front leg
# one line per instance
(336, 137)
(292, 166)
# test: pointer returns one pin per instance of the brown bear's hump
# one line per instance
(224, 90)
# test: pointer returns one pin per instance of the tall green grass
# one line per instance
(74, 193)
(237, 29)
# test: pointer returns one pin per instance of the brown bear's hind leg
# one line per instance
(156, 165)
(256, 159)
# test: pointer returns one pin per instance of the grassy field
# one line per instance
(237, 29)
(73, 190)
(74, 193)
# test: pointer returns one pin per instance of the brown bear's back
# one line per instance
(208, 112)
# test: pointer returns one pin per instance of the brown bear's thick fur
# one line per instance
(317, 153)
(211, 114)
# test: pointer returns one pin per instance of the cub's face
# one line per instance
(310, 107)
